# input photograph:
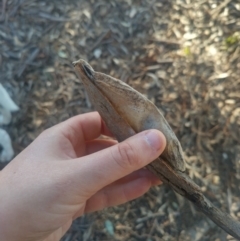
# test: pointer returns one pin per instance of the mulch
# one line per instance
(183, 55)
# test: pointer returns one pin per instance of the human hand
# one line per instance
(67, 172)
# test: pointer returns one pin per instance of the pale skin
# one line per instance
(67, 172)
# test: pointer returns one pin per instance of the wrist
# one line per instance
(7, 212)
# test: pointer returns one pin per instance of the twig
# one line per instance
(159, 66)
(30, 58)
(100, 39)
(13, 11)
(49, 17)
(153, 215)
(183, 185)
(4, 2)
(217, 10)
(54, 18)
(165, 41)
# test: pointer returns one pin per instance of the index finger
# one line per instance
(86, 127)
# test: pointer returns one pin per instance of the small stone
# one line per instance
(97, 53)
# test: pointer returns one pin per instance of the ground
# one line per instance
(184, 55)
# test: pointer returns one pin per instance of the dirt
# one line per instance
(183, 55)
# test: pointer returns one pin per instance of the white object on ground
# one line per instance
(5, 141)
(7, 105)
(5, 116)
(5, 100)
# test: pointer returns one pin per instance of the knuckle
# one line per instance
(105, 200)
(127, 156)
(125, 197)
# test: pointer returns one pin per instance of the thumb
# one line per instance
(106, 166)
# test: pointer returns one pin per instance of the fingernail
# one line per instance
(154, 139)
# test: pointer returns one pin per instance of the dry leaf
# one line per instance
(127, 111)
